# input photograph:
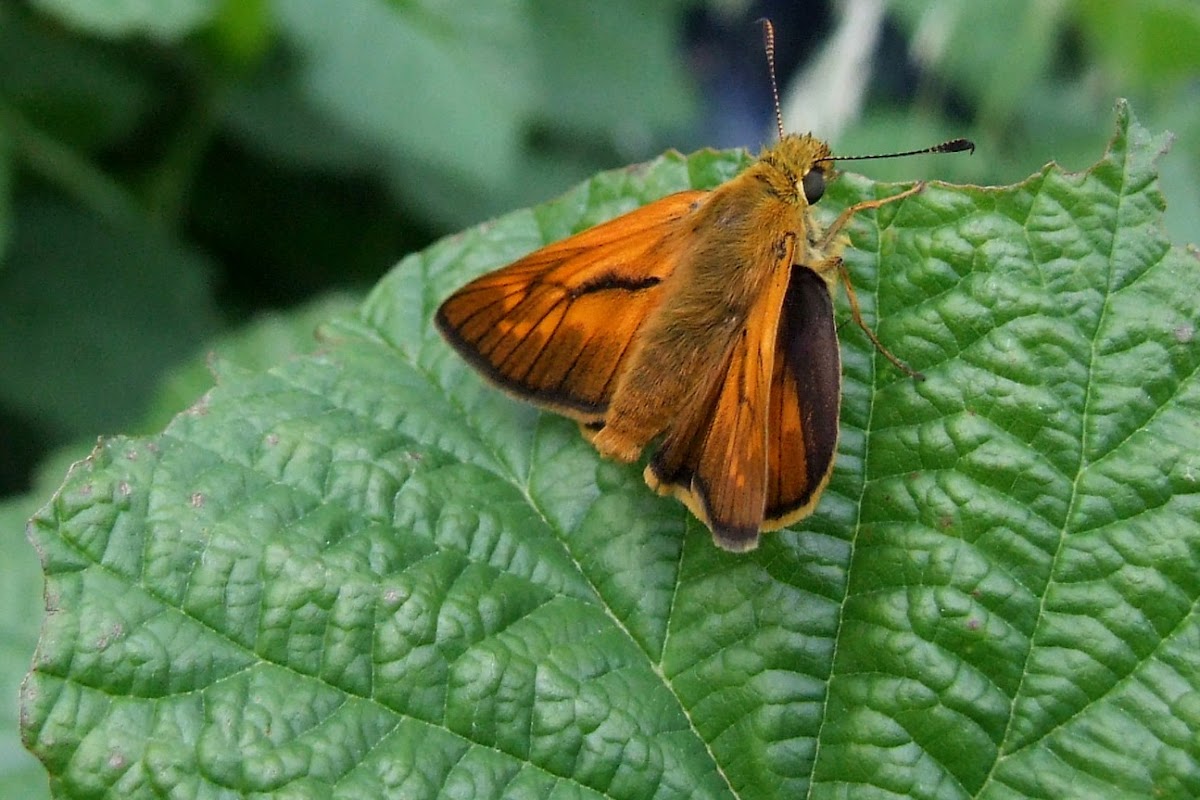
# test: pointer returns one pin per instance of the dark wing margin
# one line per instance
(806, 390)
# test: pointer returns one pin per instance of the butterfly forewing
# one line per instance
(555, 326)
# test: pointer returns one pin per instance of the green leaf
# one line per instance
(122, 302)
(459, 81)
(367, 573)
(165, 20)
(627, 78)
(74, 92)
(21, 776)
(1021, 34)
(6, 186)
(1149, 44)
(264, 341)
(469, 108)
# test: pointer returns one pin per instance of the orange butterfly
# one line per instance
(703, 320)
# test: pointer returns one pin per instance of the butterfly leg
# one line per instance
(857, 314)
(834, 229)
(827, 243)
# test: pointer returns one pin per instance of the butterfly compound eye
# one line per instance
(813, 184)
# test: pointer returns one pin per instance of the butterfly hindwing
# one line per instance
(715, 459)
(554, 327)
(805, 395)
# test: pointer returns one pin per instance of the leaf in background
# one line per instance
(627, 79)
(366, 572)
(1021, 34)
(6, 187)
(82, 94)
(90, 316)
(470, 109)
(1147, 43)
(164, 20)
(270, 115)
(406, 80)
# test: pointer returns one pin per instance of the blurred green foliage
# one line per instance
(170, 170)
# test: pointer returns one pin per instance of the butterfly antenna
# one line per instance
(769, 46)
(952, 146)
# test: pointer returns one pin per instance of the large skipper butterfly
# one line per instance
(703, 322)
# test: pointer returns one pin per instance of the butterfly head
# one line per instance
(797, 168)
